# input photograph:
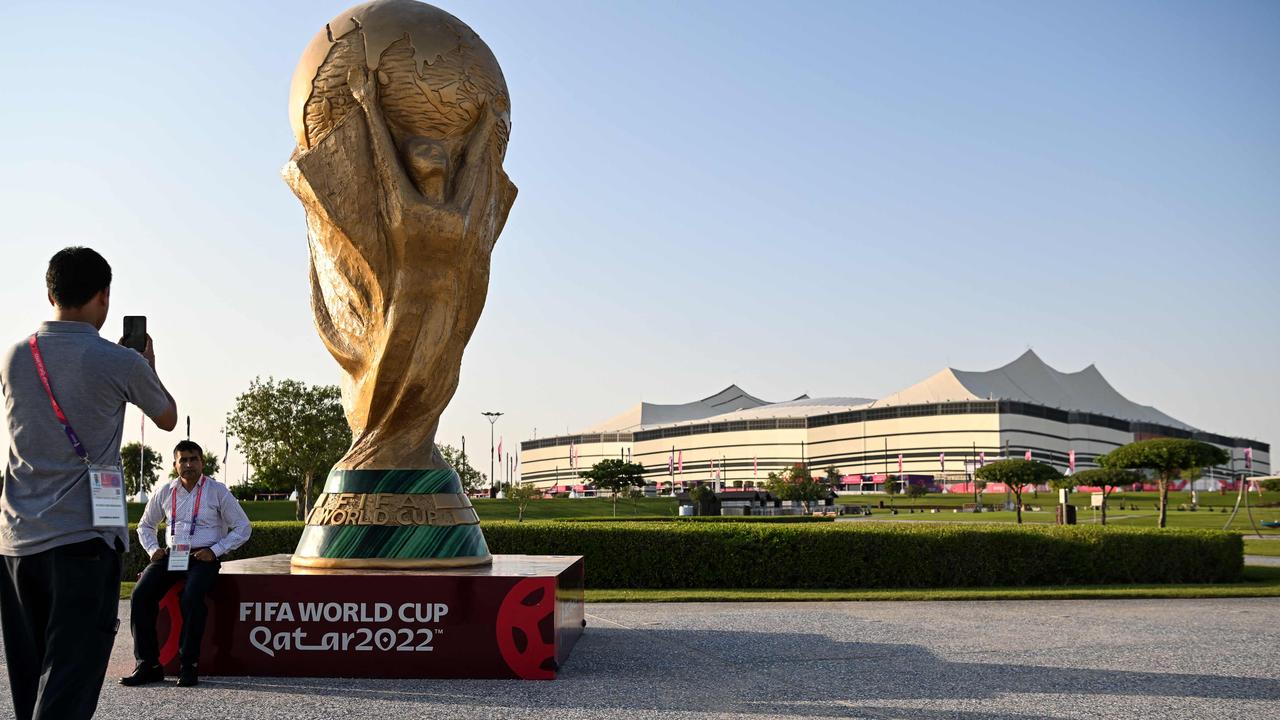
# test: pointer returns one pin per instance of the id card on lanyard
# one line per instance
(181, 532)
(106, 482)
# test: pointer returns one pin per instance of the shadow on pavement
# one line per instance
(771, 673)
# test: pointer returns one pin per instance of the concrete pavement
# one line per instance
(932, 660)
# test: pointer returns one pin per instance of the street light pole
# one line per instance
(493, 418)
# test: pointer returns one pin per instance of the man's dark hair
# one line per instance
(188, 446)
(75, 275)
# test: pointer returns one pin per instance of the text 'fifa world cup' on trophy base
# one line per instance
(402, 118)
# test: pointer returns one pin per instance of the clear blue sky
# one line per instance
(831, 198)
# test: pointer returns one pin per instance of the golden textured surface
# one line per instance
(402, 118)
(320, 563)
(392, 509)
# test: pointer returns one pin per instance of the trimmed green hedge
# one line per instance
(847, 555)
(844, 555)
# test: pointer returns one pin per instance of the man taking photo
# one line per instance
(204, 522)
(62, 512)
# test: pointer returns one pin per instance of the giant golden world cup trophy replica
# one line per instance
(402, 117)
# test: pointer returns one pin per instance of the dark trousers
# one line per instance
(59, 611)
(145, 606)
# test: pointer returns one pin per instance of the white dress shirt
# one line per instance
(221, 525)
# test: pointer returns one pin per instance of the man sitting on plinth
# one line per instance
(205, 522)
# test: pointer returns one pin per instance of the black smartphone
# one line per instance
(135, 332)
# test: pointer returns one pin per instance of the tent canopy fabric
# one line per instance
(1026, 379)
(1030, 379)
(646, 415)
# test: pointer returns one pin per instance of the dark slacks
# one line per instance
(59, 611)
(145, 607)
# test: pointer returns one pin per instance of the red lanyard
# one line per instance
(173, 503)
(57, 409)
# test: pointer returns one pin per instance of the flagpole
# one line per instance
(142, 453)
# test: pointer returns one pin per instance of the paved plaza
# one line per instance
(932, 660)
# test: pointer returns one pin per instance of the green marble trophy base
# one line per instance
(392, 519)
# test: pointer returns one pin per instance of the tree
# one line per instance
(471, 478)
(703, 499)
(915, 492)
(1016, 474)
(978, 486)
(635, 494)
(129, 456)
(1108, 479)
(614, 475)
(795, 483)
(833, 476)
(1168, 458)
(891, 487)
(211, 466)
(1064, 482)
(291, 433)
(1271, 485)
(521, 494)
(1191, 475)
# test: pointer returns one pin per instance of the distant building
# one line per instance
(939, 429)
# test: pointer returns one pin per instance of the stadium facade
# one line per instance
(937, 430)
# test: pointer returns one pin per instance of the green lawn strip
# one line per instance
(556, 508)
(1254, 546)
(1146, 501)
(1259, 582)
(1210, 514)
(1201, 520)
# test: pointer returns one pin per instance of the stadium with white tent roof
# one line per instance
(935, 432)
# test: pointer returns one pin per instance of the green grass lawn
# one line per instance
(559, 508)
(1201, 519)
(552, 509)
(1145, 500)
(1259, 582)
(1254, 546)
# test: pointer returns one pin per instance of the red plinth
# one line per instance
(517, 618)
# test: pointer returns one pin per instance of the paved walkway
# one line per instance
(932, 660)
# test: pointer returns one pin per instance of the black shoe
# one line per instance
(188, 676)
(143, 675)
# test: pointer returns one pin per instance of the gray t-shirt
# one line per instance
(46, 502)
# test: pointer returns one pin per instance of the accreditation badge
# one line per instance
(180, 547)
(106, 488)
